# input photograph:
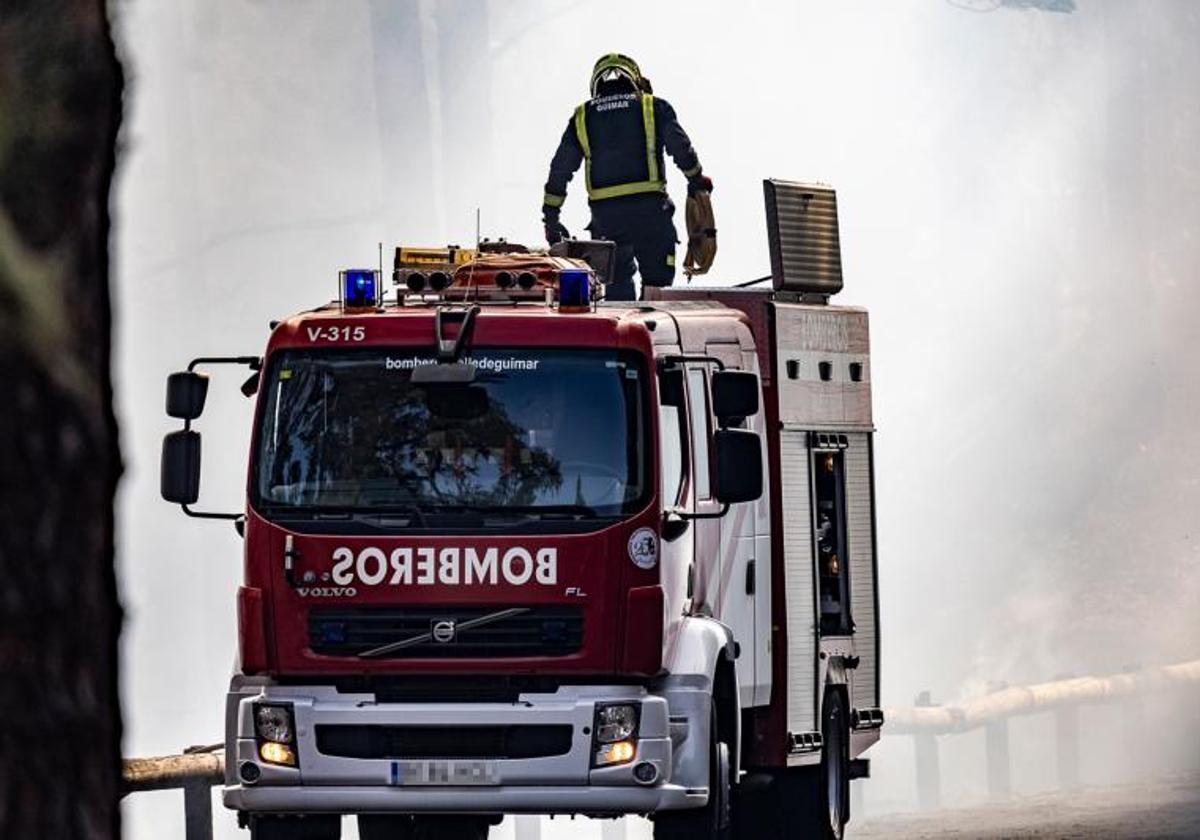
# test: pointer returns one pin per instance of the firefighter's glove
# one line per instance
(699, 183)
(556, 231)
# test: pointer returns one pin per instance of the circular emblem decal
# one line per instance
(444, 631)
(643, 548)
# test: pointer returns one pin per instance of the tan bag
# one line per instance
(702, 234)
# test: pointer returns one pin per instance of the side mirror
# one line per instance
(250, 386)
(739, 466)
(186, 391)
(734, 395)
(180, 474)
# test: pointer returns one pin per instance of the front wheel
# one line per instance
(301, 827)
(806, 802)
(412, 827)
(386, 827)
(714, 820)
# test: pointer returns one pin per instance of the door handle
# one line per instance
(750, 584)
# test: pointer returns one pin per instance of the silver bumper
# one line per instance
(557, 784)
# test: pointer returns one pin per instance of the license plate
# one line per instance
(443, 772)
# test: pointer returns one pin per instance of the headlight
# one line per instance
(616, 723)
(274, 723)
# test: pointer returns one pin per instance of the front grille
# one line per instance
(443, 741)
(536, 631)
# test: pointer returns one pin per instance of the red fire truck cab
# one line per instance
(510, 550)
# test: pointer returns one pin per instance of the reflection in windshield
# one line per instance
(538, 429)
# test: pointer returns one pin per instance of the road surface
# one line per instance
(1162, 809)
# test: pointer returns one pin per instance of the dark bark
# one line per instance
(60, 725)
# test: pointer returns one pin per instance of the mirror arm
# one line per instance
(253, 362)
(210, 515)
(687, 516)
(683, 358)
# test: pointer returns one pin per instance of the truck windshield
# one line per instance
(539, 432)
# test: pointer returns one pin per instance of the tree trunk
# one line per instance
(60, 724)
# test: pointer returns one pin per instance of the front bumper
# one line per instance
(552, 784)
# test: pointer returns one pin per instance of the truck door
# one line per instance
(678, 566)
(725, 547)
(706, 533)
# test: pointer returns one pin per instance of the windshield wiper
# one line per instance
(419, 514)
(564, 511)
(367, 513)
(538, 511)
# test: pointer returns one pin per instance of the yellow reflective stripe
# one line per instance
(581, 135)
(651, 137)
(581, 129)
(552, 200)
(695, 170)
(626, 189)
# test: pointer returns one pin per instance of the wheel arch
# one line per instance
(704, 657)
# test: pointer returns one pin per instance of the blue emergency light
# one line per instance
(574, 288)
(360, 287)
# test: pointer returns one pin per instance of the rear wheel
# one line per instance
(298, 827)
(714, 820)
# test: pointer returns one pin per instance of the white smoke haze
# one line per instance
(1020, 209)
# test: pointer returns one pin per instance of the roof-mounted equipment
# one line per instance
(802, 228)
(359, 289)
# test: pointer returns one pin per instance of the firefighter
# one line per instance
(619, 135)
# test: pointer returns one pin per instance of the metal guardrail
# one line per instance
(925, 722)
(199, 769)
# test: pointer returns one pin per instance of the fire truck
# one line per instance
(510, 549)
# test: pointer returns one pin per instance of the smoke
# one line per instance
(1019, 191)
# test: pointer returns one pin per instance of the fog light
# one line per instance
(249, 772)
(645, 772)
(621, 752)
(273, 753)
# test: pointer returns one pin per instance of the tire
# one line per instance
(451, 828)
(807, 802)
(832, 808)
(386, 827)
(714, 821)
(302, 827)
(411, 827)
